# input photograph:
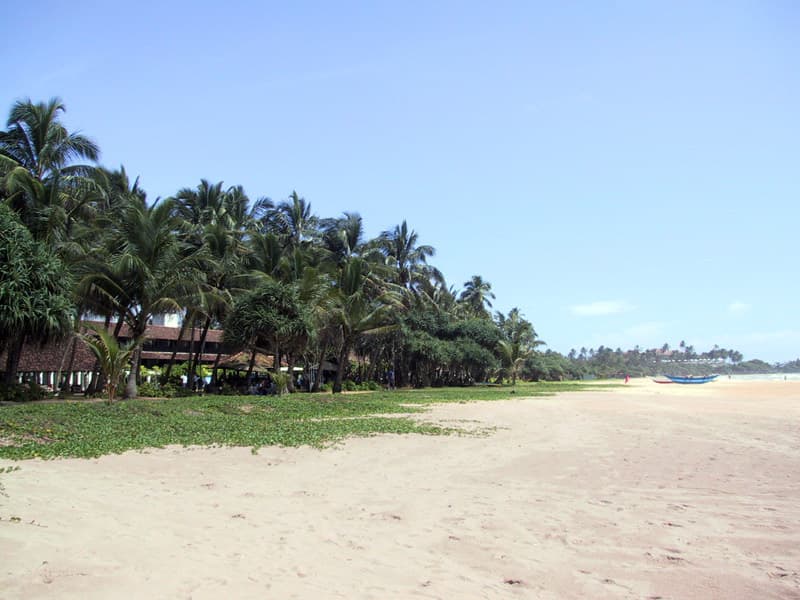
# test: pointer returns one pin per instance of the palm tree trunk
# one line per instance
(190, 365)
(117, 327)
(101, 376)
(12, 360)
(214, 369)
(131, 390)
(202, 344)
(175, 349)
(290, 372)
(343, 354)
(318, 378)
(72, 346)
(401, 370)
(306, 387)
(137, 334)
(250, 366)
(276, 359)
(95, 383)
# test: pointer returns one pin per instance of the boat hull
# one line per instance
(677, 379)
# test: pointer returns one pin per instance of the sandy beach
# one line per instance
(650, 491)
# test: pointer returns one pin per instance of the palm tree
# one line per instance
(477, 295)
(513, 355)
(37, 141)
(150, 269)
(285, 236)
(343, 237)
(216, 223)
(293, 221)
(409, 260)
(36, 170)
(520, 341)
(361, 306)
(112, 356)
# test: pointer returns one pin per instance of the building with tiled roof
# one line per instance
(74, 360)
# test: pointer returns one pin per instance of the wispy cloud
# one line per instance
(738, 308)
(602, 308)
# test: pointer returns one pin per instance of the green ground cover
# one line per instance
(89, 429)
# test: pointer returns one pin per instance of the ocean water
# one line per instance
(764, 377)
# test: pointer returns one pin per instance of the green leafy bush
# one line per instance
(150, 390)
(167, 390)
(281, 381)
(25, 392)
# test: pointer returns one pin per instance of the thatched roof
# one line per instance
(241, 362)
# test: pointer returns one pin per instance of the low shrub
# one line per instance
(25, 392)
(167, 390)
(281, 381)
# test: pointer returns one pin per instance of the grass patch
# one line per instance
(90, 429)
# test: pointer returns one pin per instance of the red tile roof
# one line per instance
(55, 356)
(160, 332)
(179, 357)
(52, 356)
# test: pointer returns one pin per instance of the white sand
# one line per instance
(649, 492)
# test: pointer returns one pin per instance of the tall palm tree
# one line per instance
(224, 252)
(520, 341)
(343, 237)
(38, 142)
(215, 223)
(288, 235)
(477, 295)
(37, 174)
(513, 355)
(407, 258)
(517, 328)
(151, 269)
(361, 306)
(203, 205)
(294, 221)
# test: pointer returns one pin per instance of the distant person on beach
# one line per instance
(627, 378)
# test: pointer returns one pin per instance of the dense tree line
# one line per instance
(684, 360)
(275, 276)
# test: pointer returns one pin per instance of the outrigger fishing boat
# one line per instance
(688, 378)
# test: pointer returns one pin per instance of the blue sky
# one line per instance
(623, 172)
